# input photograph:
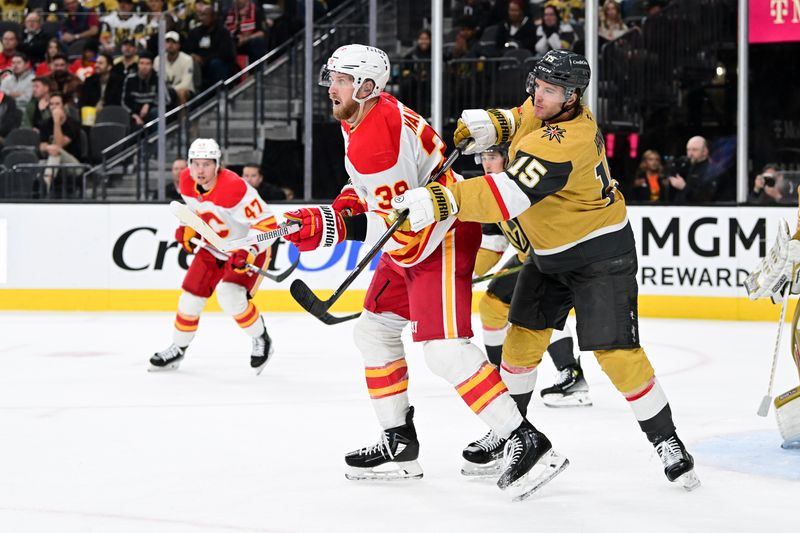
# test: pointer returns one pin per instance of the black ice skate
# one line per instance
(678, 463)
(569, 390)
(530, 462)
(169, 359)
(394, 457)
(484, 457)
(262, 352)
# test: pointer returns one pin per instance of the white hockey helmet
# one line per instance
(205, 149)
(363, 63)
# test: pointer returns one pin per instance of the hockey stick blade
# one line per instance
(188, 218)
(763, 409)
(286, 273)
(309, 301)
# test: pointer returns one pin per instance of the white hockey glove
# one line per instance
(487, 127)
(776, 269)
(425, 205)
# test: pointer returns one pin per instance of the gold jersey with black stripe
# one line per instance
(559, 189)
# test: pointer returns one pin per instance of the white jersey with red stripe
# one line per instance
(232, 208)
(393, 149)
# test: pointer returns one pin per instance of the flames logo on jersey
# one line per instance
(552, 131)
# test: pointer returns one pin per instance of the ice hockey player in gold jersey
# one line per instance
(559, 188)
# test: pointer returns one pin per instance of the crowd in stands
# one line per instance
(64, 61)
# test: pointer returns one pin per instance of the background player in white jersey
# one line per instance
(423, 277)
(234, 210)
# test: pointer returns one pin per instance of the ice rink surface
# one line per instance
(92, 442)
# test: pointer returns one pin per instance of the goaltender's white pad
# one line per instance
(787, 413)
(776, 269)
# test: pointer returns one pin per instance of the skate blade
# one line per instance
(391, 471)
(546, 468)
(491, 469)
(258, 369)
(689, 480)
(576, 399)
(165, 368)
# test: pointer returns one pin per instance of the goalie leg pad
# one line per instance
(787, 413)
(478, 383)
(187, 318)
(378, 338)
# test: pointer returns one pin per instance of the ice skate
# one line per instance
(678, 463)
(484, 457)
(569, 390)
(262, 352)
(529, 462)
(392, 458)
(169, 359)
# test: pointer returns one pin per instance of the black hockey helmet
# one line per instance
(561, 67)
(501, 149)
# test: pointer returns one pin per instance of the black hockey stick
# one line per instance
(319, 308)
(498, 274)
(251, 267)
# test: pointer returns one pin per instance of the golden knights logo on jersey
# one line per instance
(513, 232)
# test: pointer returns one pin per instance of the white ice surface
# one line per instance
(92, 442)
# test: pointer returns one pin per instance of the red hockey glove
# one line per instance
(348, 203)
(239, 260)
(321, 226)
(184, 235)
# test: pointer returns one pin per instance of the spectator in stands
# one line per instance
(415, 82)
(67, 83)
(60, 141)
(38, 109)
(211, 45)
(245, 21)
(465, 44)
(771, 187)
(34, 40)
(124, 23)
(517, 31)
(140, 92)
(80, 23)
(10, 115)
(479, 9)
(13, 10)
(174, 188)
(53, 49)
(654, 7)
(611, 24)
(19, 83)
(128, 63)
(158, 9)
(251, 173)
(104, 87)
(648, 184)
(83, 67)
(9, 49)
(691, 181)
(179, 70)
(552, 34)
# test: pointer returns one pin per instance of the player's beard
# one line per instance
(345, 111)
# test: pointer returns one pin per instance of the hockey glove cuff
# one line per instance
(321, 226)
(486, 127)
(425, 206)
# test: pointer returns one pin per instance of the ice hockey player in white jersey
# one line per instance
(234, 210)
(424, 278)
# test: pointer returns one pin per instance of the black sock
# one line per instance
(562, 352)
(495, 354)
(522, 402)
